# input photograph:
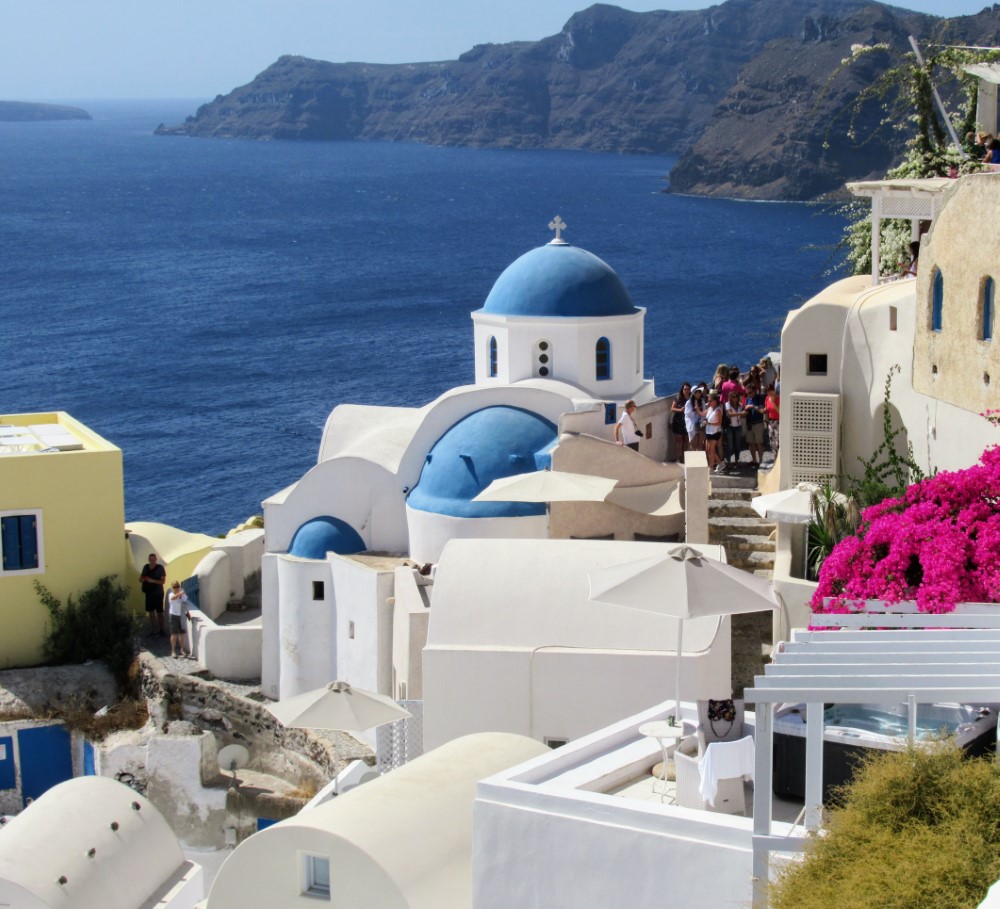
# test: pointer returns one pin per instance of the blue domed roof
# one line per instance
(317, 537)
(488, 444)
(559, 280)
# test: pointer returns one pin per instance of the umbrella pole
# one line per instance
(677, 687)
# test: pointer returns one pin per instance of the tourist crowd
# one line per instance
(733, 411)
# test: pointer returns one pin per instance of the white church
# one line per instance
(558, 351)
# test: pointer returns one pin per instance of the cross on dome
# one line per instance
(558, 225)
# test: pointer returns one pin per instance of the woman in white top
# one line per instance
(178, 605)
(694, 419)
(626, 432)
(713, 431)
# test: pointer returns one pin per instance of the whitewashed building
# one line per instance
(558, 341)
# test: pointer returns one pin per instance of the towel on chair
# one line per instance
(722, 761)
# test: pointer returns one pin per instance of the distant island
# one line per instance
(741, 91)
(26, 111)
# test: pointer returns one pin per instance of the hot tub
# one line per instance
(852, 729)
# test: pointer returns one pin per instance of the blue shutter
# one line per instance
(9, 542)
(29, 541)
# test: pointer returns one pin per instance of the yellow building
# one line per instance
(62, 517)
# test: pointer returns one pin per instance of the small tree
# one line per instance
(916, 828)
(97, 626)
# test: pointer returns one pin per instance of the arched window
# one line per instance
(602, 358)
(493, 357)
(988, 295)
(937, 301)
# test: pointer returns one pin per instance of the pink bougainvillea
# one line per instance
(939, 544)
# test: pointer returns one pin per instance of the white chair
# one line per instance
(729, 796)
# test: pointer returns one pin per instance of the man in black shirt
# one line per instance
(154, 577)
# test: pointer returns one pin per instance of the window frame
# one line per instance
(312, 884)
(39, 567)
(937, 300)
(987, 308)
(602, 371)
(494, 359)
(812, 364)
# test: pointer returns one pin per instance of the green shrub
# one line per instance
(919, 828)
(97, 626)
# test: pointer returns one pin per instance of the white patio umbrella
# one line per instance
(793, 505)
(547, 486)
(684, 584)
(339, 707)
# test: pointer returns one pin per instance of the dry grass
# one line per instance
(127, 714)
(917, 829)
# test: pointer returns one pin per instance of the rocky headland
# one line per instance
(742, 91)
(26, 111)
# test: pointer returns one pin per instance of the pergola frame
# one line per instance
(918, 664)
(915, 200)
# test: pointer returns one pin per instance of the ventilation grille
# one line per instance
(815, 440)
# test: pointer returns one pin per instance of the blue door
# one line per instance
(8, 779)
(45, 759)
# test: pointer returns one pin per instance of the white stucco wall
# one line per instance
(515, 644)
(306, 628)
(538, 842)
(346, 635)
(410, 617)
(270, 669)
(430, 533)
(851, 322)
(572, 348)
(178, 766)
(360, 601)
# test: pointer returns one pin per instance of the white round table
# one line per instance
(666, 734)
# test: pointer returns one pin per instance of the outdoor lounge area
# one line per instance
(606, 817)
(909, 658)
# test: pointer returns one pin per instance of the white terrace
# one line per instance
(589, 823)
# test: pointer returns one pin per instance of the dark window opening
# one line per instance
(937, 302)
(988, 293)
(602, 358)
(319, 590)
(816, 365)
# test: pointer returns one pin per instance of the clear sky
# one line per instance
(88, 49)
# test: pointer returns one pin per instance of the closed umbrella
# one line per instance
(791, 506)
(547, 486)
(684, 584)
(337, 706)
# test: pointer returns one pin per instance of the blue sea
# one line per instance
(204, 304)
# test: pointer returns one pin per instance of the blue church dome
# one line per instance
(317, 537)
(488, 444)
(559, 280)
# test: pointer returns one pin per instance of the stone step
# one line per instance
(766, 573)
(734, 493)
(721, 526)
(732, 507)
(733, 481)
(754, 542)
(750, 561)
